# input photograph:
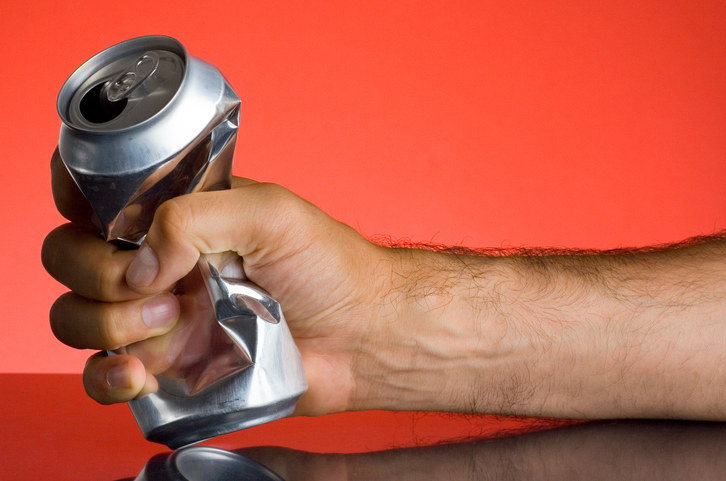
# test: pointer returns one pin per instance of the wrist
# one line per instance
(480, 334)
(431, 333)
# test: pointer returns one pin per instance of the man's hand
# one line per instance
(325, 275)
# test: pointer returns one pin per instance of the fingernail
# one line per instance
(160, 311)
(117, 377)
(143, 269)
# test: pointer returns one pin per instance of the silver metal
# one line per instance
(143, 122)
(174, 137)
(204, 463)
(254, 377)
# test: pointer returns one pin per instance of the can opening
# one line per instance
(97, 109)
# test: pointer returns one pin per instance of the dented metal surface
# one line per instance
(143, 122)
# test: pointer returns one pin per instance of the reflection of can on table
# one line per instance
(144, 122)
(202, 463)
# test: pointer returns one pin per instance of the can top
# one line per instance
(124, 85)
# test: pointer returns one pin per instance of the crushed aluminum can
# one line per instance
(143, 122)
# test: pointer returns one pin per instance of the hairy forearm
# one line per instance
(619, 334)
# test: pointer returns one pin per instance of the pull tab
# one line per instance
(126, 82)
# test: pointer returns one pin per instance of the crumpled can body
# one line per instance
(143, 122)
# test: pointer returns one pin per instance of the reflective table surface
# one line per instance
(51, 430)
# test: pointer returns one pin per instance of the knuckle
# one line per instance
(173, 217)
(108, 279)
(47, 253)
(174, 224)
(282, 203)
(111, 329)
(51, 251)
(58, 318)
(276, 193)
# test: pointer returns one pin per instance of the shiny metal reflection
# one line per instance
(204, 464)
(143, 122)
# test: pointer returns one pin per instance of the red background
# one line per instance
(559, 123)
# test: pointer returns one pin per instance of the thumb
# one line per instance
(246, 220)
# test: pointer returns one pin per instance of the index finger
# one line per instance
(82, 261)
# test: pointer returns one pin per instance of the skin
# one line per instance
(593, 335)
